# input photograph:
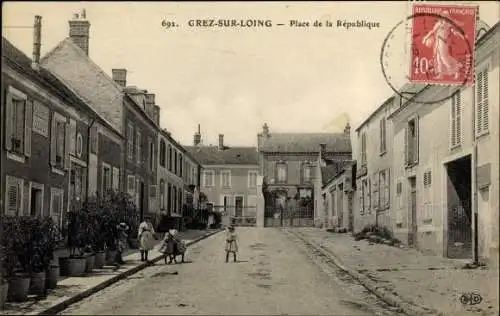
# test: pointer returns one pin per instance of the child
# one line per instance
(122, 242)
(231, 243)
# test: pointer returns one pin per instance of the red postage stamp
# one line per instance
(443, 44)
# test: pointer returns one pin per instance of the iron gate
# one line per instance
(289, 217)
(460, 230)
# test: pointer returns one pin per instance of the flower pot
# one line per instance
(51, 277)
(37, 283)
(4, 288)
(76, 266)
(18, 288)
(110, 257)
(100, 259)
(89, 262)
(63, 266)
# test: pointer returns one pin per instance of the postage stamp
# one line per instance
(443, 44)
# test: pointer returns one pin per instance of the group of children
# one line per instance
(146, 237)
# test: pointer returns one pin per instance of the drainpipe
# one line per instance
(88, 160)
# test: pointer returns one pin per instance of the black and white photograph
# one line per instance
(250, 158)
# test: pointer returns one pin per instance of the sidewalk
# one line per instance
(72, 289)
(427, 281)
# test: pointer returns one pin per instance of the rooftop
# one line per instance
(211, 155)
(306, 142)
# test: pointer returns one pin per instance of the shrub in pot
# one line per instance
(15, 241)
(77, 240)
(4, 285)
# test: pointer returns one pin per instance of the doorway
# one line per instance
(36, 201)
(458, 187)
(412, 235)
(238, 206)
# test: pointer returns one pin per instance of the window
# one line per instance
(138, 145)
(208, 178)
(482, 103)
(363, 149)
(174, 199)
(281, 172)
(162, 194)
(13, 196)
(59, 142)
(306, 172)
(19, 121)
(106, 178)
(252, 179)
(170, 158)
(179, 194)
(427, 198)
(130, 141)
(163, 153)
(365, 196)
(225, 178)
(151, 152)
(411, 147)
(152, 191)
(375, 191)
(169, 198)
(131, 185)
(180, 165)
(116, 179)
(56, 205)
(456, 120)
(383, 137)
(384, 189)
(175, 162)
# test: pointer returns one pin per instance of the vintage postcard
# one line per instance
(250, 158)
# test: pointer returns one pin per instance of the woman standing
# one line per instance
(146, 237)
(231, 243)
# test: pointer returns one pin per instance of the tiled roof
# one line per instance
(333, 169)
(211, 155)
(44, 77)
(306, 142)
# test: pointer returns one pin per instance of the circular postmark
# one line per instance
(428, 58)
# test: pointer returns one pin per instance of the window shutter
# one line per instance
(8, 122)
(375, 193)
(388, 187)
(479, 103)
(453, 127)
(417, 137)
(458, 118)
(72, 136)
(407, 135)
(28, 125)
(485, 117)
(116, 179)
(67, 144)
(53, 140)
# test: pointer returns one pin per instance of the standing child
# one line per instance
(122, 242)
(231, 243)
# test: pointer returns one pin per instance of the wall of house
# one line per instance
(376, 161)
(239, 187)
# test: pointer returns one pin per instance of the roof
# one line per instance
(333, 169)
(46, 79)
(306, 142)
(165, 133)
(211, 155)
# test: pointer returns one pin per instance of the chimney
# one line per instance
(157, 114)
(347, 129)
(197, 137)
(79, 31)
(221, 141)
(265, 130)
(150, 99)
(322, 151)
(37, 43)
(120, 76)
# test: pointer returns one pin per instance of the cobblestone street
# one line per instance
(275, 274)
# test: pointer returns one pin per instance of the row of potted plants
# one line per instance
(89, 233)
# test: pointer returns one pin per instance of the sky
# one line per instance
(233, 80)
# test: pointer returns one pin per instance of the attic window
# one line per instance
(238, 155)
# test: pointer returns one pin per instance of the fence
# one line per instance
(238, 215)
(289, 217)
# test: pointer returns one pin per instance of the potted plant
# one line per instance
(98, 240)
(77, 240)
(16, 246)
(52, 239)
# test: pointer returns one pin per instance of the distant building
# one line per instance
(229, 177)
(290, 164)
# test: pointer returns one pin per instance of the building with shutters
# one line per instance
(445, 165)
(129, 166)
(290, 164)
(229, 179)
(45, 129)
(178, 178)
